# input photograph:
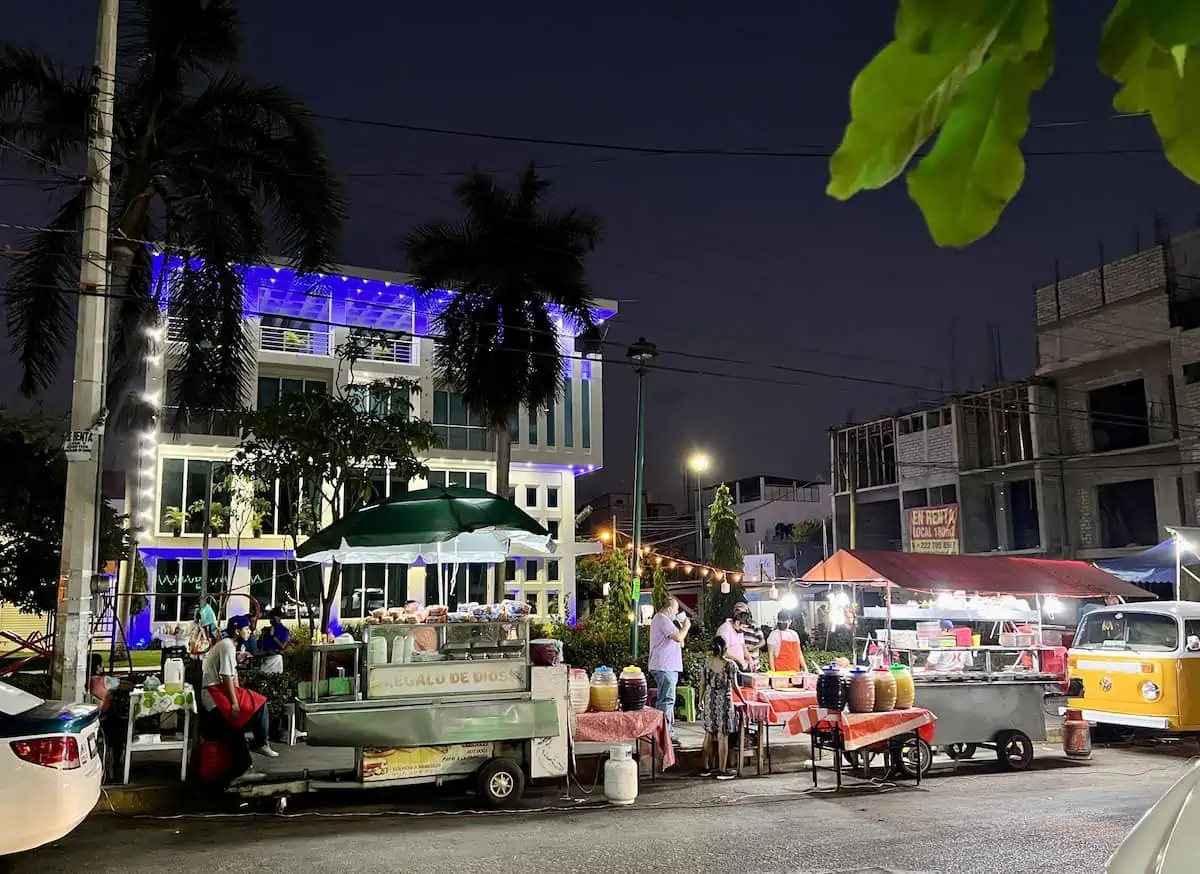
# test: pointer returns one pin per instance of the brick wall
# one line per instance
(1086, 524)
(926, 457)
(1105, 285)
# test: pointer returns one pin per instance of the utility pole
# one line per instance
(641, 353)
(85, 444)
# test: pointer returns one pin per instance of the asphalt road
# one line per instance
(1058, 817)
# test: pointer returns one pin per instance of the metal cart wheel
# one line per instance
(961, 751)
(911, 756)
(1014, 749)
(500, 782)
(281, 805)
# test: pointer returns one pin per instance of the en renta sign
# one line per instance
(933, 529)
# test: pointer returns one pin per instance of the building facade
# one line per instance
(296, 325)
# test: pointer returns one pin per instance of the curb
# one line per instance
(133, 800)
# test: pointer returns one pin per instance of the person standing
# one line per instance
(731, 631)
(718, 687)
(667, 634)
(784, 646)
(752, 637)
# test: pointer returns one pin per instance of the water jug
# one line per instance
(173, 675)
(377, 650)
(862, 691)
(631, 688)
(831, 690)
(580, 690)
(885, 690)
(620, 775)
(603, 696)
(906, 690)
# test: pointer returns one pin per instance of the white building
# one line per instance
(767, 507)
(296, 324)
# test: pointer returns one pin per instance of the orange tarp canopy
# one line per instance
(984, 574)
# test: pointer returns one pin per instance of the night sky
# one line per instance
(730, 257)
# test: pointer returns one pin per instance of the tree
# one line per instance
(515, 265)
(206, 162)
(966, 70)
(726, 555)
(594, 574)
(660, 593)
(32, 504)
(323, 447)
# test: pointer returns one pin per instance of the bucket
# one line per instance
(976, 640)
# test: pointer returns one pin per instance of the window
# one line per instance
(551, 424)
(510, 570)
(531, 496)
(531, 570)
(273, 584)
(749, 526)
(552, 570)
(1024, 527)
(1119, 416)
(512, 494)
(585, 410)
(1191, 372)
(469, 585)
(456, 426)
(379, 398)
(1128, 514)
(912, 424)
(287, 505)
(385, 483)
(868, 452)
(514, 429)
(1003, 423)
(272, 388)
(219, 423)
(471, 479)
(552, 497)
(553, 527)
(939, 495)
(533, 426)
(554, 605)
(1128, 629)
(568, 413)
(367, 587)
(183, 492)
(177, 586)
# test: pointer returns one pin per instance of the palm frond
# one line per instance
(135, 312)
(269, 142)
(42, 112)
(40, 302)
(165, 41)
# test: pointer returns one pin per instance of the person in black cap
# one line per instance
(231, 710)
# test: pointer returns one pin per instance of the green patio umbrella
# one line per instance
(435, 525)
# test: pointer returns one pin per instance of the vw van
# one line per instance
(1138, 666)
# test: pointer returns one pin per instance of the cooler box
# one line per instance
(963, 636)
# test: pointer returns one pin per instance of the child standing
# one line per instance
(718, 685)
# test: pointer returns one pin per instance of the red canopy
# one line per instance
(984, 574)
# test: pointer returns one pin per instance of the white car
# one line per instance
(1167, 839)
(51, 767)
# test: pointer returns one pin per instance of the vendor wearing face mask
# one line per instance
(668, 631)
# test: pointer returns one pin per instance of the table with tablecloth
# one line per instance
(641, 726)
(785, 703)
(756, 715)
(145, 702)
(861, 730)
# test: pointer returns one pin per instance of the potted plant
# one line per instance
(293, 341)
(173, 518)
(306, 521)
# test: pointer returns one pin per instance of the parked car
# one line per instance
(51, 768)
(1167, 839)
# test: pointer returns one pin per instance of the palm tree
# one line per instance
(207, 164)
(510, 260)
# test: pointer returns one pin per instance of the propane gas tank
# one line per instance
(620, 775)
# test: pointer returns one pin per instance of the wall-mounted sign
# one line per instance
(446, 678)
(933, 529)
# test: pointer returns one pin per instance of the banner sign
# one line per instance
(405, 763)
(446, 678)
(933, 529)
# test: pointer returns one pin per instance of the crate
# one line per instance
(1016, 638)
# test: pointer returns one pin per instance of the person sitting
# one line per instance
(231, 710)
(784, 646)
(272, 642)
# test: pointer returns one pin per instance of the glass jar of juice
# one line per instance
(862, 691)
(604, 697)
(885, 690)
(906, 689)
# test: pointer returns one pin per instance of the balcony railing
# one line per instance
(396, 350)
(216, 423)
(294, 340)
(470, 437)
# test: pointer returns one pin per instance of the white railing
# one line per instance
(397, 350)
(294, 340)
(175, 329)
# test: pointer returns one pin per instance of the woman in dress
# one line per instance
(718, 686)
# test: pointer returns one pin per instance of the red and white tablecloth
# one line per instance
(785, 703)
(864, 729)
(753, 711)
(625, 726)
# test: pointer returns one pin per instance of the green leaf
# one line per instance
(1155, 79)
(976, 168)
(905, 93)
(1173, 23)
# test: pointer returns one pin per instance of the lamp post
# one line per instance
(699, 463)
(641, 353)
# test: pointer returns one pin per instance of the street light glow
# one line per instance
(700, 462)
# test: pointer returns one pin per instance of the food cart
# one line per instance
(469, 707)
(983, 696)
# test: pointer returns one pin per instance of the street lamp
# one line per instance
(699, 463)
(641, 353)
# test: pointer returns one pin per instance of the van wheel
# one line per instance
(1014, 749)
(500, 782)
(961, 751)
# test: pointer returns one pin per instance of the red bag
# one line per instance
(215, 761)
(249, 702)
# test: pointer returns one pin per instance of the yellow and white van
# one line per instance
(1138, 666)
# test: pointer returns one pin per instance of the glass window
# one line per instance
(514, 428)
(437, 478)
(552, 570)
(553, 527)
(551, 424)
(1128, 630)
(478, 481)
(456, 426)
(367, 587)
(510, 570)
(531, 570)
(272, 584)
(183, 493)
(177, 587)
(531, 598)
(749, 526)
(585, 411)
(512, 494)
(272, 388)
(553, 603)
(531, 496)
(568, 413)
(552, 496)
(533, 426)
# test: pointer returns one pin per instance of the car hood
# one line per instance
(1167, 839)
